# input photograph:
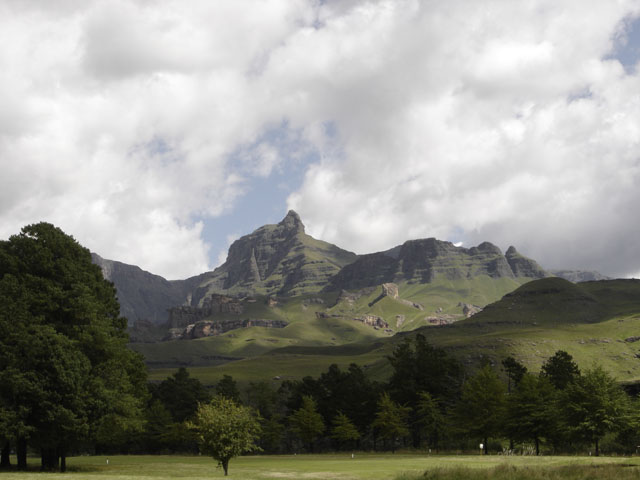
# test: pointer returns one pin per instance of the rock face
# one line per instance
(390, 290)
(184, 315)
(144, 296)
(469, 310)
(275, 260)
(423, 261)
(373, 321)
(523, 266)
(215, 328)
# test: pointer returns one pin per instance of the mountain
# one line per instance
(143, 296)
(276, 259)
(592, 321)
(428, 260)
(281, 260)
(577, 276)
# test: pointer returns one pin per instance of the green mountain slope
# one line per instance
(593, 321)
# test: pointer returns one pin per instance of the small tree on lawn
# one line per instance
(306, 422)
(343, 430)
(225, 430)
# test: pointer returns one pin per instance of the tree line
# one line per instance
(429, 402)
(69, 384)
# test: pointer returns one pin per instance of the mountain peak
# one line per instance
(511, 251)
(292, 221)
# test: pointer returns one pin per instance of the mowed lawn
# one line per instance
(335, 466)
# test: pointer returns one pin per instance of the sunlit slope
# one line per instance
(305, 328)
(328, 319)
(594, 322)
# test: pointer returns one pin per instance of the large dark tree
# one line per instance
(594, 405)
(482, 407)
(421, 368)
(531, 406)
(180, 394)
(67, 373)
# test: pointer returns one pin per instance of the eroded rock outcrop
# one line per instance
(426, 260)
(184, 315)
(373, 321)
(213, 328)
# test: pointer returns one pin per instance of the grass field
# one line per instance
(340, 466)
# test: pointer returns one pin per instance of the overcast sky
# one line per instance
(156, 132)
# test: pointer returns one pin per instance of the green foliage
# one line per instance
(306, 422)
(481, 409)
(227, 387)
(531, 410)
(515, 370)
(343, 430)
(594, 404)
(66, 371)
(180, 394)
(391, 420)
(430, 418)
(560, 369)
(420, 367)
(225, 430)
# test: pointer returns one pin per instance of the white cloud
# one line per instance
(483, 121)
(126, 121)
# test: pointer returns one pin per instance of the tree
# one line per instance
(530, 410)
(560, 369)
(227, 387)
(430, 418)
(391, 420)
(306, 422)
(515, 371)
(419, 367)
(343, 431)
(181, 394)
(225, 430)
(594, 404)
(67, 373)
(482, 406)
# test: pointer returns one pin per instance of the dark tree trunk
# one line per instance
(537, 446)
(597, 448)
(486, 446)
(21, 453)
(49, 459)
(225, 466)
(5, 461)
(63, 459)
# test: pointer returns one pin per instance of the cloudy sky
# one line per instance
(156, 132)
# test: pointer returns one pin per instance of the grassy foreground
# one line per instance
(342, 466)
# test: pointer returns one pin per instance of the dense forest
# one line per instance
(70, 385)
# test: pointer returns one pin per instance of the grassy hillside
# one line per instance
(594, 322)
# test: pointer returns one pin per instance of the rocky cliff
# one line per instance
(183, 315)
(144, 296)
(423, 261)
(522, 266)
(214, 328)
(276, 259)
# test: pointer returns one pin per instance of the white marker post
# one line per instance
(481, 448)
